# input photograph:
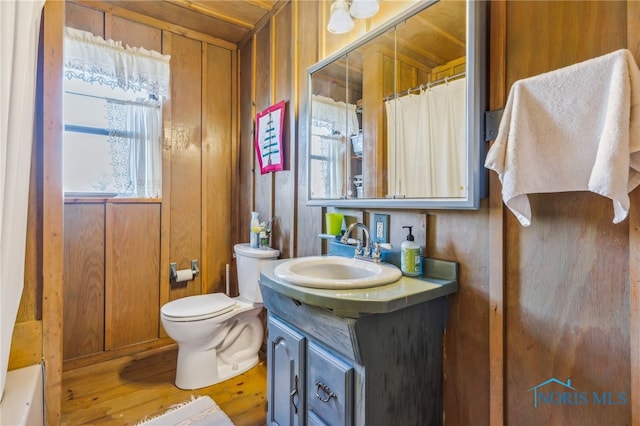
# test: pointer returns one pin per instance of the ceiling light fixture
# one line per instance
(363, 9)
(340, 19)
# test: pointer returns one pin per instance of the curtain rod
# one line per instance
(425, 86)
(150, 103)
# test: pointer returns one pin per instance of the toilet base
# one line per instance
(200, 377)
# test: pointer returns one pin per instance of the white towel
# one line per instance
(573, 129)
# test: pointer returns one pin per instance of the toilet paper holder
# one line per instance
(173, 270)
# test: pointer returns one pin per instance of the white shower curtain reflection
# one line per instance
(19, 29)
(426, 143)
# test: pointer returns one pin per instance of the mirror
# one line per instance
(396, 117)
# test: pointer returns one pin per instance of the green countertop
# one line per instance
(354, 303)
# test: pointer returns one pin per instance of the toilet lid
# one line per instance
(199, 307)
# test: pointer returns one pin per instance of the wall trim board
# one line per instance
(497, 98)
(53, 209)
(132, 350)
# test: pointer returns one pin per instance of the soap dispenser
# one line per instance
(410, 256)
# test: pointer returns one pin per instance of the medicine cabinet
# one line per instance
(396, 118)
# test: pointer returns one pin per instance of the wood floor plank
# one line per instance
(128, 389)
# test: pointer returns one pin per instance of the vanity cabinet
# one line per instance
(325, 368)
(305, 380)
(285, 374)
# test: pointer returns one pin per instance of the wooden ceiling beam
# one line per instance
(203, 10)
(105, 6)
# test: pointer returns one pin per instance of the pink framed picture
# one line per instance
(268, 140)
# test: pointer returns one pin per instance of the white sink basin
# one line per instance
(336, 272)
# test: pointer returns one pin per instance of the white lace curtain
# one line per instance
(107, 63)
(426, 142)
(332, 123)
(135, 134)
(134, 82)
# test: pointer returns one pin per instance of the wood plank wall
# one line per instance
(52, 243)
(267, 70)
(551, 300)
(195, 214)
(566, 289)
(198, 157)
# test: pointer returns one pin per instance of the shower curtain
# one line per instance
(19, 31)
(426, 143)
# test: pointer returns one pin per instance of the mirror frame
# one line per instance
(476, 75)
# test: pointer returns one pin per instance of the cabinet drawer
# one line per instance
(329, 388)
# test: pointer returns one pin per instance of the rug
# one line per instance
(200, 411)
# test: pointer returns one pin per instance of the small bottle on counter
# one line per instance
(255, 226)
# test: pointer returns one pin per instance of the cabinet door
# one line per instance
(329, 388)
(285, 374)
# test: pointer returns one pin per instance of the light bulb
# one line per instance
(340, 21)
(362, 9)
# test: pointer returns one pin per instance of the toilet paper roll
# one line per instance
(184, 275)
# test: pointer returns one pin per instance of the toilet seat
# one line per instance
(200, 307)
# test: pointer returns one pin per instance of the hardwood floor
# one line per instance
(126, 390)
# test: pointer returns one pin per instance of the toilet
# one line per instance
(219, 336)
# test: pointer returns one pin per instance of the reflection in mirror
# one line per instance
(333, 121)
(395, 117)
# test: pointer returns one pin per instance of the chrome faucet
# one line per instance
(362, 252)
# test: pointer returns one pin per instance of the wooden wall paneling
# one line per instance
(84, 18)
(84, 280)
(246, 159)
(285, 194)
(165, 207)
(634, 305)
(372, 125)
(132, 33)
(217, 144)
(186, 152)
(26, 344)
(566, 291)
(132, 273)
(263, 190)
(30, 307)
(497, 99)
(633, 28)
(464, 236)
(566, 308)
(633, 44)
(235, 152)
(52, 208)
(110, 8)
(308, 218)
(565, 41)
(407, 76)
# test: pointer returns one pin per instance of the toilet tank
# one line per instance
(249, 261)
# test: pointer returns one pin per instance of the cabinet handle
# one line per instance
(293, 394)
(326, 390)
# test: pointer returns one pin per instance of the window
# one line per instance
(112, 118)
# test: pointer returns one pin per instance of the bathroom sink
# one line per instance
(336, 272)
